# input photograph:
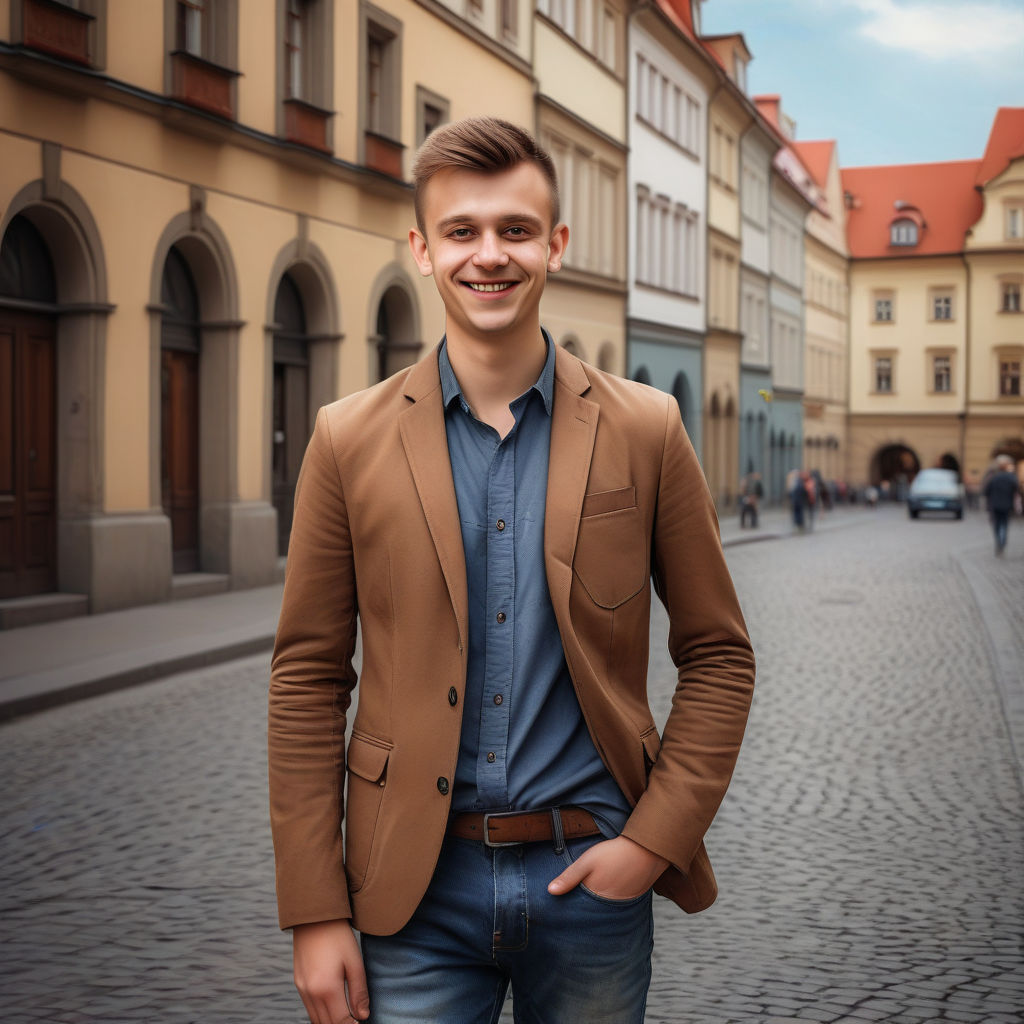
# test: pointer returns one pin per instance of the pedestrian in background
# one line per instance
(510, 804)
(1001, 489)
(751, 492)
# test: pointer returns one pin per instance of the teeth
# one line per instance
(488, 287)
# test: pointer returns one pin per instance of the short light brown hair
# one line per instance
(485, 144)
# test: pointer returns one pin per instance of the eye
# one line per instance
(516, 231)
(460, 233)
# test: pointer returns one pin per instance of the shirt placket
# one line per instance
(492, 763)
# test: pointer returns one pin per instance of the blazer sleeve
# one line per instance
(310, 690)
(711, 650)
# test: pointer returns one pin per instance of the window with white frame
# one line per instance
(666, 243)
(903, 232)
(1009, 377)
(1015, 220)
(942, 304)
(754, 194)
(883, 375)
(666, 106)
(595, 25)
(1010, 297)
(589, 192)
(942, 374)
(509, 15)
(884, 303)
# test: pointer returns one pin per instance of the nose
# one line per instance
(490, 252)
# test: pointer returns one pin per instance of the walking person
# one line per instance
(1001, 489)
(751, 493)
(493, 517)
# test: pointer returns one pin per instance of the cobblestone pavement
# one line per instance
(869, 852)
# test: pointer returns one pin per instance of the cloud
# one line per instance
(986, 29)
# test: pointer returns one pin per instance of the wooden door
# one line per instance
(28, 455)
(179, 455)
(291, 434)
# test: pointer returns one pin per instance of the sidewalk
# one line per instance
(58, 662)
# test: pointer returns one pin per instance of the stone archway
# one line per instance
(893, 466)
(86, 541)
(394, 328)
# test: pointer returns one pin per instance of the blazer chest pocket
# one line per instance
(611, 550)
(367, 761)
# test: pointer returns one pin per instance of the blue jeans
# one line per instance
(1000, 524)
(487, 920)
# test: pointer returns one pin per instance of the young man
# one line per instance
(1001, 489)
(494, 516)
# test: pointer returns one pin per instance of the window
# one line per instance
(942, 305)
(591, 203)
(883, 309)
(381, 109)
(1009, 377)
(509, 19)
(1015, 221)
(666, 106)
(942, 379)
(1011, 297)
(883, 374)
(203, 47)
(72, 30)
(597, 27)
(306, 32)
(432, 111)
(903, 232)
(666, 243)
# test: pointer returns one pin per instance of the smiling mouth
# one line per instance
(501, 286)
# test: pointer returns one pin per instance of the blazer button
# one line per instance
(453, 696)
(442, 786)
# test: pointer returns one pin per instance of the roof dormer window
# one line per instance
(903, 232)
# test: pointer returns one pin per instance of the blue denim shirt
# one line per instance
(524, 742)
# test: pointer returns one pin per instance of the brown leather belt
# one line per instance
(508, 828)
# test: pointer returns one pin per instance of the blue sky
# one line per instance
(893, 81)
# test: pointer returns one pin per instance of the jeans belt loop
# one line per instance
(556, 829)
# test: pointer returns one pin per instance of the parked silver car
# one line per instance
(936, 490)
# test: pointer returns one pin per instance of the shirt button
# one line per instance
(442, 786)
(453, 696)
(500, 524)
(501, 616)
(490, 758)
(498, 698)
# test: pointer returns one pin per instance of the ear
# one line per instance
(418, 247)
(556, 247)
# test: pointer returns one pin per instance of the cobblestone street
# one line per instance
(870, 852)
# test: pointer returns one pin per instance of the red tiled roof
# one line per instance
(1005, 143)
(681, 14)
(944, 194)
(817, 158)
(770, 107)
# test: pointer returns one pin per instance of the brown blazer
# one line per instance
(376, 534)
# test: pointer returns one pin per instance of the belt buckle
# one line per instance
(497, 845)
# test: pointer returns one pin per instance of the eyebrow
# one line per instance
(512, 218)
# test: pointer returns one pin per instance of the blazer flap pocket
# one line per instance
(367, 758)
(600, 502)
(652, 744)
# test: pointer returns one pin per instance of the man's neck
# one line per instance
(493, 372)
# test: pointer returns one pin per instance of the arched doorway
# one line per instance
(291, 402)
(28, 429)
(684, 399)
(641, 376)
(892, 468)
(572, 346)
(950, 461)
(397, 344)
(179, 410)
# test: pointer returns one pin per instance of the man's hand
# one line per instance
(617, 869)
(329, 972)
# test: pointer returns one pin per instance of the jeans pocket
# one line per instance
(574, 849)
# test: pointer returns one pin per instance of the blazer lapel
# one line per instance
(573, 429)
(426, 448)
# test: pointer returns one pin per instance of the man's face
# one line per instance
(489, 244)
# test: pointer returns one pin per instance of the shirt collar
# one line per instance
(544, 385)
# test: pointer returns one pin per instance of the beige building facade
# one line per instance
(204, 209)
